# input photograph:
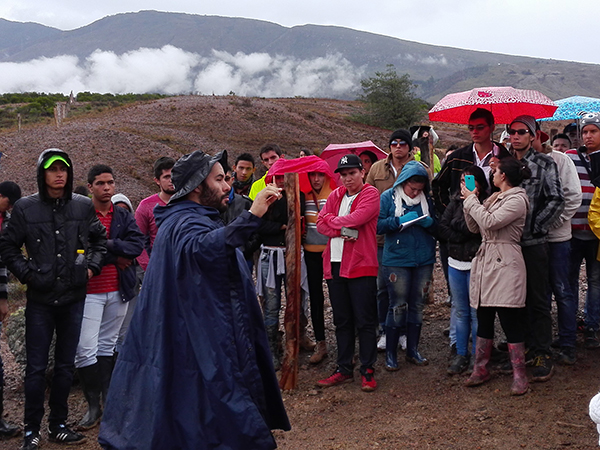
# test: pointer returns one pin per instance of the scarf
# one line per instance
(401, 199)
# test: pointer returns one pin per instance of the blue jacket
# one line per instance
(195, 371)
(415, 245)
(125, 240)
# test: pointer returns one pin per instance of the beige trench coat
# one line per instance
(498, 276)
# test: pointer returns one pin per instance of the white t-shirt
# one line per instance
(337, 244)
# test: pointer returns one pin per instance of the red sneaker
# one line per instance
(335, 379)
(368, 381)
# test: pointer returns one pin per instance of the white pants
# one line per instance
(103, 316)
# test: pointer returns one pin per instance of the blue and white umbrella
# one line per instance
(572, 108)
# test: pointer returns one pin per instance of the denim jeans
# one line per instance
(560, 285)
(587, 250)
(40, 323)
(271, 296)
(354, 310)
(465, 316)
(383, 298)
(314, 272)
(1, 366)
(103, 316)
(408, 288)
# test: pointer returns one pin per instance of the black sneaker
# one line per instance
(32, 440)
(567, 356)
(591, 338)
(459, 365)
(543, 368)
(64, 435)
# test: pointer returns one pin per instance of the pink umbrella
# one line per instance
(505, 103)
(333, 152)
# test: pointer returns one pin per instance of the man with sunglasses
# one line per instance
(546, 204)
(447, 182)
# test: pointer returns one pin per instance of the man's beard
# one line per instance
(169, 191)
(213, 199)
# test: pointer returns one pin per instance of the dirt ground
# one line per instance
(416, 407)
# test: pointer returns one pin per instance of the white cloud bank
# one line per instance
(170, 70)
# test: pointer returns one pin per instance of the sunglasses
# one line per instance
(398, 143)
(479, 127)
(521, 132)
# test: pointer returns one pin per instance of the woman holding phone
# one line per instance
(498, 279)
(406, 218)
(462, 247)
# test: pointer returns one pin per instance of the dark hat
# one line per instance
(349, 161)
(528, 121)
(191, 170)
(401, 135)
(11, 190)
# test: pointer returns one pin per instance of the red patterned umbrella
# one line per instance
(505, 103)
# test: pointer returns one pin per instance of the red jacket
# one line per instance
(359, 258)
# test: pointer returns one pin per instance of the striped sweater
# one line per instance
(579, 222)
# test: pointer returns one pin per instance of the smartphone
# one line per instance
(349, 232)
(470, 182)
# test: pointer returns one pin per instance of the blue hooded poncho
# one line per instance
(195, 371)
(413, 246)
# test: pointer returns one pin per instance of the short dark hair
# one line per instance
(372, 156)
(96, 170)
(417, 179)
(515, 170)
(482, 113)
(161, 164)
(562, 136)
(269, 147)
(82, 190)
(11, 190)
(245, 157)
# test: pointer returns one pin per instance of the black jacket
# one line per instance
(52, 231)
(462, 244)
(447, 182)
(125, 240)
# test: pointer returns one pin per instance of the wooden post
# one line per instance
(291, 321)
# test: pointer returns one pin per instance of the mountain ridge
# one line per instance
(436, 69)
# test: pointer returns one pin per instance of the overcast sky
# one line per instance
(556, 29)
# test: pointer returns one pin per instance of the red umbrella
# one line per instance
(301, 166)
(505, 103)
(333, 152)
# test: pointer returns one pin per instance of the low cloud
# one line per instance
(170, 70)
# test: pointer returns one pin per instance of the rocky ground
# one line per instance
(416, 407)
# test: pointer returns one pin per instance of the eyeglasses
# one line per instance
(520, 132)
(398, 143)
(479, 127)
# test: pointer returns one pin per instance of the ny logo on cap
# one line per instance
(344, 160)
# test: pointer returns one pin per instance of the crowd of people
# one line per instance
(156, 307)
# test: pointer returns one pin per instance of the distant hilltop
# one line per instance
(211, 54)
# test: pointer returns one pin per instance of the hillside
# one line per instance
(131, 138)
(437, 70)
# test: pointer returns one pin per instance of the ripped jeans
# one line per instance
(408, 288)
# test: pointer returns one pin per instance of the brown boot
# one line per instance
(520, 384)
(320, 353)
(483, 352)
(306, 343)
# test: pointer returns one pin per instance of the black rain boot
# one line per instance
(7, 430)
(392, 335)
(106, 365)
(91, 387)
(413, 334)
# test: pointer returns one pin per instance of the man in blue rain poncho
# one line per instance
(195, 371)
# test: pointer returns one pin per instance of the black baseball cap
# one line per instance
(349, 161)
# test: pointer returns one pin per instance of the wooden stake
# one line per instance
(291, 321)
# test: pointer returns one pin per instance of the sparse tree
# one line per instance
(390, 101)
